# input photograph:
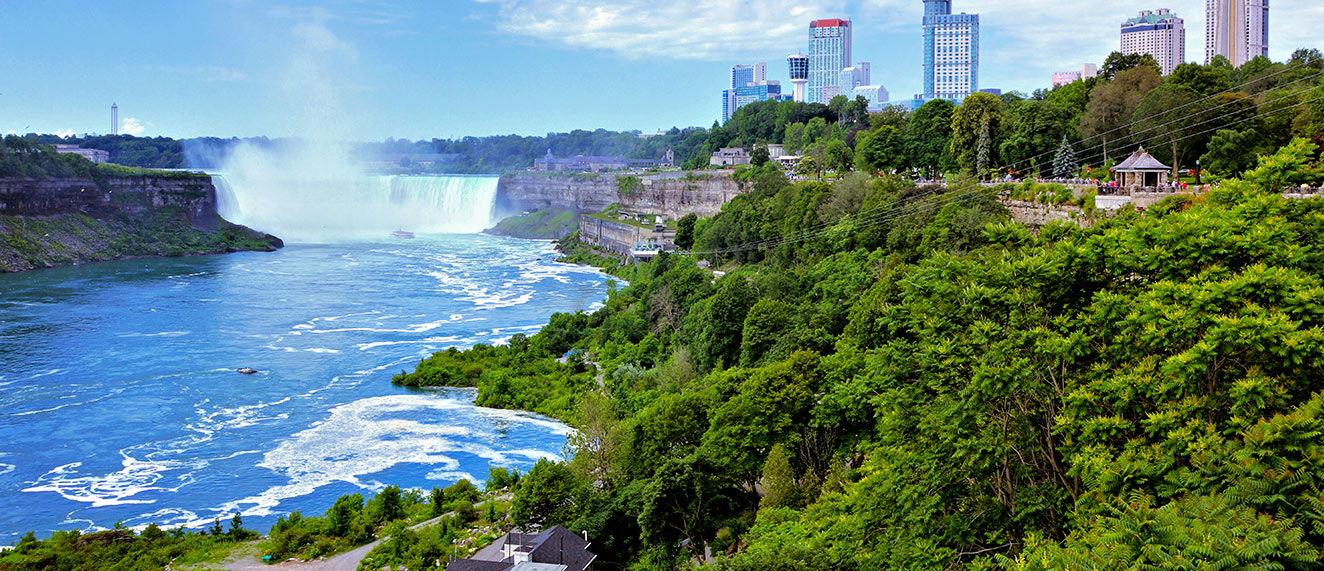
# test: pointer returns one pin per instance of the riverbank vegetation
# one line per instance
(544, 224)
(897, 376)
(42, 242)
(124, 549)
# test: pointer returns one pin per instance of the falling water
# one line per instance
(358, 206)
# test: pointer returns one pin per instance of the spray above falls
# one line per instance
(357, 206)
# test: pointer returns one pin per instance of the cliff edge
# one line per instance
(51, 222)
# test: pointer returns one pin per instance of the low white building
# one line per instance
(730, 157)
(94, 155)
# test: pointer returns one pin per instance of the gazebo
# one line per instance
(1141, 169)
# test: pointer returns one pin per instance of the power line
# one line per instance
(1089, 151)
(910, 206)
(1228, 90)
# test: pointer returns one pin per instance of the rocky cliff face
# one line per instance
(56, 222)
(135, 197)
(669, 197)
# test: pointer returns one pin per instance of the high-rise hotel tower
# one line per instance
(1236, 29)
(829, 53)
(951, 52)
(1158, 33)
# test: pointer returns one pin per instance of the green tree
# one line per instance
(815, 130)
(1231, 152)
(759, 156)
(984, 153)
(723, 319)
(386, 506)
(793, 140)
(929, 136)
(780, 489)
(839, 156)
(685, 231)
(546, 496)
(1064, 162)
(1118, 62)
(968, 122)
(765, 325)
(881, 150)
(1112, 105)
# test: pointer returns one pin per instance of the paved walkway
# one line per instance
(347, 561)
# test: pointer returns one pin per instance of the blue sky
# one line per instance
(372, 69)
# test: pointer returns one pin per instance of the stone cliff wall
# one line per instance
(137, 197)
(1036, 215)
(669, 197)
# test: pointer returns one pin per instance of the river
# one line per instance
(119, 399)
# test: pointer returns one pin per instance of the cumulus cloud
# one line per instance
(687, 29)
(132, 126)
(65, 134)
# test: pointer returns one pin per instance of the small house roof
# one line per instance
(1141, 161)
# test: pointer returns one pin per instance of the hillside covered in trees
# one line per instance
(898, 377)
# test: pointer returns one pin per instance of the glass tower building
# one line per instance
(951, 52)
(829, 53)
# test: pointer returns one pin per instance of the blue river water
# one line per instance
(119, 399)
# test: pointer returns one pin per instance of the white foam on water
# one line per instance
(369, 436)
(452, 476)
(110, 490)
(7, 468)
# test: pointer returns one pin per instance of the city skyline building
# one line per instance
(1159, 33)
(798, 65)
(951, 52)
(114, 119)
(1086, 71)
(1236, 29)
(749, 83)
(829, 53)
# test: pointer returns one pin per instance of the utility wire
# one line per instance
(911, 205)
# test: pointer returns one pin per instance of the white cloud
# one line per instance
(131, 126)
(688, 29)
(65, 134)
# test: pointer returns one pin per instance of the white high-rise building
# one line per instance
(1159, 33)
(1257, 28)
(951, 52)
(829, 53)
(1236, 29)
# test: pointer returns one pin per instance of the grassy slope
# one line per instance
(41, 242)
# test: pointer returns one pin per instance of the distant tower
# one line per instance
(951, 52)
(799, 64)
(114, 119)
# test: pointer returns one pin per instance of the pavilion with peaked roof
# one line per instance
(1141, 169)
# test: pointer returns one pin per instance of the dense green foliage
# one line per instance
(29, 157)
(942, 388)
(122, 549)
(30, 242)
(545, 224)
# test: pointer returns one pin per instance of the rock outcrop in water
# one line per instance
(64, 221)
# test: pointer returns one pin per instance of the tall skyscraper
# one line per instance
(114, 119)
(829, 53)
(1257, 28)
(749, 83)
(1236, 29)
(799, 67)
(1159, 33)
(951, 52)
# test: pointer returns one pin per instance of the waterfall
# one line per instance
(356, 207)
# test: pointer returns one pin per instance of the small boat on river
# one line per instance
(405, 234)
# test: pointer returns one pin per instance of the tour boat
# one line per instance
(402, 234)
